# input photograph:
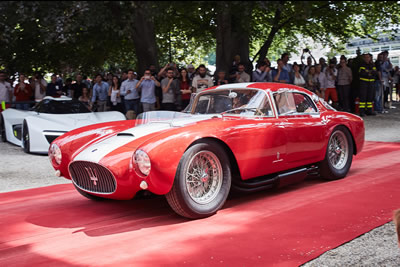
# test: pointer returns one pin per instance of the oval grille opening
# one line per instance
(92, 177)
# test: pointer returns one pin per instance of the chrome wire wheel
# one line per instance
(204, 177)
(338, 150)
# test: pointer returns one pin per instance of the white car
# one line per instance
(34, 130)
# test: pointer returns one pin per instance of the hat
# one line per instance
(190, 66)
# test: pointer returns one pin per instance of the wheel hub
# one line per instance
(338, 150)
(204, 177)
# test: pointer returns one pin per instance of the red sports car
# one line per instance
(246, 137)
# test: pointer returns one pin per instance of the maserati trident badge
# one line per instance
(92, 175)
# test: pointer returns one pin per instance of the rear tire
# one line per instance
(338, 156)
(3, 130)
(202, 181)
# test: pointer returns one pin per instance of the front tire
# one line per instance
(339, 155)
(26, 143)
(202, 181)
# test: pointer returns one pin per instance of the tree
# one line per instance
(232, 35)
(88, 36)
(324, 21)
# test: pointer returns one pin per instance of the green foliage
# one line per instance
(91, 36)
(185, 31)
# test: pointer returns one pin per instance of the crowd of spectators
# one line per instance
(171, 87)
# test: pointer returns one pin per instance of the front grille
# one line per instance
(92, 177)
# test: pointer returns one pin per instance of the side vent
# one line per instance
(125, 134)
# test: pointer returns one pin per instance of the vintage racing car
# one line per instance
(246, 137)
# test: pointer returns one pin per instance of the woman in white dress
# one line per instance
(114, 93)
(298, 78)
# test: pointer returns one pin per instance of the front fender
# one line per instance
(75, 141)
(165, 152)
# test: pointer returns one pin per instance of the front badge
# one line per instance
(92, 175)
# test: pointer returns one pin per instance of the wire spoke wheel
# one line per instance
(338, 150)
(204, 177)
(202, 181)
(338, 156)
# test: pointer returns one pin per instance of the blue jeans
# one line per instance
(132, 104)
(378, 96)
(22, 106)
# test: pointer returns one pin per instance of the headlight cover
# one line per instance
(142, 162)
(55, 154)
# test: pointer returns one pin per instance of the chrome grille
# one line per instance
(92, 177)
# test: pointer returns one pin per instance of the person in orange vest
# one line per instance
(368, 74)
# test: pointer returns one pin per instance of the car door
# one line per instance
(304, 129)
(258, 143)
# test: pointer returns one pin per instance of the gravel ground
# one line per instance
(376, 248)
(19, 170)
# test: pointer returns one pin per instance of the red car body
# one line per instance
(257, 145)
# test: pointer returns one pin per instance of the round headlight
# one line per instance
(142, 161)
(55, 153)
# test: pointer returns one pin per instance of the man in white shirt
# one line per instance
(131, 94)
(39, 86)
(331, 74)
(241, 75)
(202, 80)
(6, 91)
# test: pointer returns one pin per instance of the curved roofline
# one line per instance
(273, 86)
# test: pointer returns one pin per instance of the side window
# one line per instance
(303, 103)
(202, 105)
(266, 108)
(285, 103)
(293, 103)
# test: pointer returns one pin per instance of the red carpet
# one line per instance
(55, 226)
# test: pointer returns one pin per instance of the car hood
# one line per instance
(67, 122)
(97, 151)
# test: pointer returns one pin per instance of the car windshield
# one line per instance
(61, 107)
(159, 116)
(248, 102)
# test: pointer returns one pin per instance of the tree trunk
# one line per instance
(224, 37)
(143, 36)
(267, 44)
(274, 30)
(233, 36)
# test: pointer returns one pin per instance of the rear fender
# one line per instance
(354, 125)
